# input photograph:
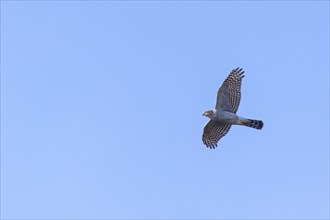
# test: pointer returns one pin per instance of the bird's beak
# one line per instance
(204, 114)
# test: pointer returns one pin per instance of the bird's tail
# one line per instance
(257, 124)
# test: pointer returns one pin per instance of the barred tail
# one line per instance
(257, 124)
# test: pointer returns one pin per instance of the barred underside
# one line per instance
(229, 94)
(213, 132)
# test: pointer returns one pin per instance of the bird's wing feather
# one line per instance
(229, 94)
(213, 132)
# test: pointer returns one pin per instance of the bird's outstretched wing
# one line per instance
(229, 94)
(213, 132)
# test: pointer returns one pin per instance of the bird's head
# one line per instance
(208, 114)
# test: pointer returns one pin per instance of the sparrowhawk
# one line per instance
(224, 114)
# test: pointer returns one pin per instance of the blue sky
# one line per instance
(102, 102)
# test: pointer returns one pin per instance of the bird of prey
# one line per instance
(224, 114)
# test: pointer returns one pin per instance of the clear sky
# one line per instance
(102, 102)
